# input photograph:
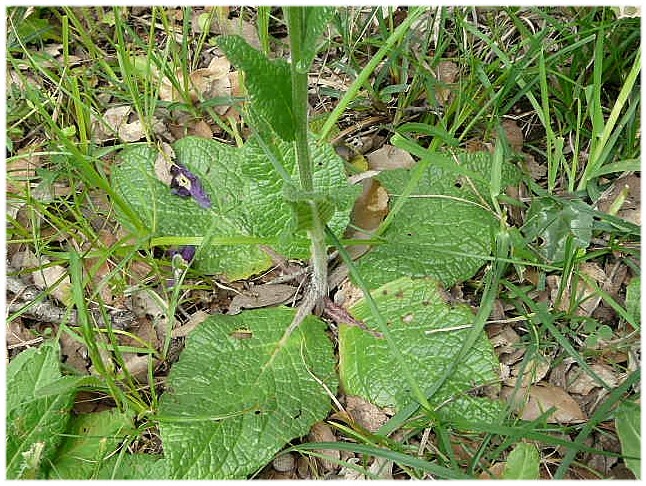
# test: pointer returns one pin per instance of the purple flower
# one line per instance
(184, 183)
(187, 252)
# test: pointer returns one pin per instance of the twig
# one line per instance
(31, 301)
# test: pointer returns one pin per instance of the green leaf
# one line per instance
(248, 207)
(316, 19)
(523, 462)
(135, 466)
(444, 231)
(267, 81)
(233, 400)
(34, 423)
(89, 441)
(552, 222)
(627, 422)
(633, 298)
(429, 334)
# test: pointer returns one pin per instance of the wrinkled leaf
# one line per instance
(89, 440)
(35, 423)
(268, 83)
(533, 402)
(135, 466)
(429, 334)
(523, 462)
(233, 401)
(246, 196)
(552, 222)
(443, 231)
(628, 422)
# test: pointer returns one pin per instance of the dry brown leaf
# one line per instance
(535, 370)
(538, 399)
(584, 383)
(624, 197)
(505, 340)
(163, 162)
(536, 170)
(205, 83)
(264, 295)
(494, 472)
(382, 468)
(118, 126)
(47, 276)
(20, 170)
(143, 304)
(390, 157)
(16, 334)
(131, 132)
(364, 413)
(74, 353)
(321, 432)
(195, 320)
(369, 210)
(137, 366)
(201, 129)
(212, 82)
(446, 72)
(514, 135)
(284, 462)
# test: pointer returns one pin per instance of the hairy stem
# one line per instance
(296, 25)
(318, 284)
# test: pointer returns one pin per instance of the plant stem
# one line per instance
(318, 287)
(295, 22)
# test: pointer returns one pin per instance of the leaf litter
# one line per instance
(124, 126)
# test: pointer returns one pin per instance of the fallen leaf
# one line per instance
(494, 472)
(446, 72)
(364, 413)
(165, 159)
(201, 128)
(321, 432)
(131, 132)
(46, 277)
(533, 372)
(514, 135)
(538, 399)
(195, 320)
(74, 353)
(262, 296)
(369, 210)
(21, 170)
(390, 157)
(623, 198)
(584, 383)
(284, 462)
(137, 366)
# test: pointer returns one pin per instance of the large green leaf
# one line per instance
(246, 196)
(523, 462)
(135, 466)
(315, 19)
(628, 424)
(552, 222)
(35, 424)
(235, 398)
(89, 441)
(445, 231)
(267, 81)
(429, 334)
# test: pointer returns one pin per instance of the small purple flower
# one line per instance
(184, 183)
(187, 252)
